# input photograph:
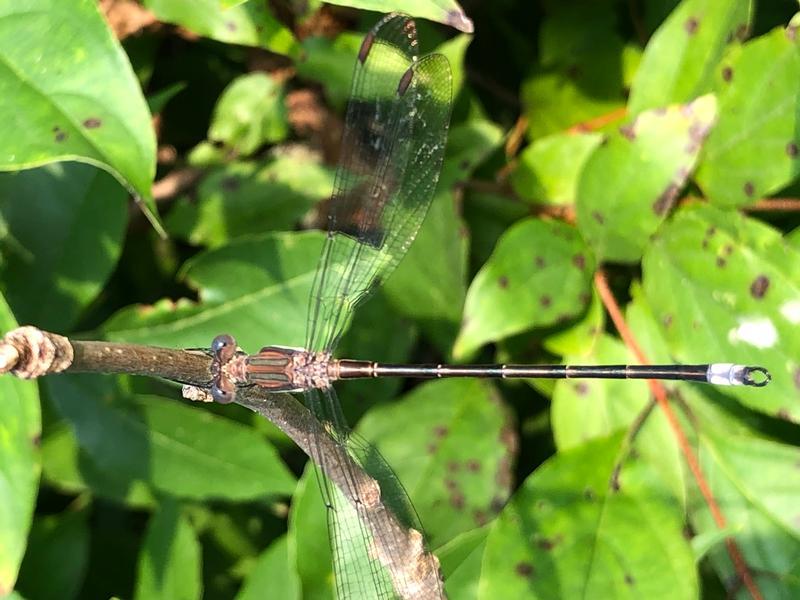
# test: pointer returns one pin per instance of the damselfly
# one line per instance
(392, 151)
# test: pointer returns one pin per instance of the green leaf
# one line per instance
(451, 444)
(376, 322)
(583, 69)
(170, 562)
(250, 113)
(447, 12)
(683, 55)
(59, 546)
(249, 24)
(309, 548)
(455, 49)
(245, 198)
(70, 94)
(177, 449)
(331, 64)
(567, 533)
(630, 182)
(753, 150)
(461, 563)
(725, 288)
(538, 275)
(256, 289)
(430, 283)
(158, 100)
(754, 483)
(71, 470)
(68, 221)
(548, 170)
(586, 409)
(20, 427)
(581, 338)
(271, 575)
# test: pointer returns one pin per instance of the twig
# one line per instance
(660, 394)
(563, 212)
(774, 205)
(414, 571)
(175, 182)
(28, 352)
(598, 122)
(515, 136)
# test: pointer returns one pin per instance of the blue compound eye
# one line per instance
(221, 395)
(221, 342)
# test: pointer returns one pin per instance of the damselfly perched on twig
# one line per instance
(392, 150)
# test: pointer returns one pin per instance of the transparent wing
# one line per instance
(375, 535)
(392, 150)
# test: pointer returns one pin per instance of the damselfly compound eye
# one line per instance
(222, 396)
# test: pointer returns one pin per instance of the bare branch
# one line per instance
(28, 352)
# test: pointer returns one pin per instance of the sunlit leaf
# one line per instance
(250, 113)
(20, 428)
(567, 533)
(70, 94)
(630, 183)
(682, 57)
(443, 11)
(753, 150)
(586, 409)
(549, 169)
(250, 24)
(538, 275)
(725, 288)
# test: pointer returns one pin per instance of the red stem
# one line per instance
(660, 394)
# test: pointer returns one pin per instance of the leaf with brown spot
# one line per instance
(747, 155)
(445, 492)
(734, 303)
(638, 181)
(578, 550)
(683, 54)
(76, 98)
(538, 253)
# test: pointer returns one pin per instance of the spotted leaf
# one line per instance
(630, 183)
(725, 288)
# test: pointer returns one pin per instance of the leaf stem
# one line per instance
(660, 394)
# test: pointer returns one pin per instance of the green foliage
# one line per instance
(19, 465)
(70, 94)
(566, 533)
(640, 137)
(169, 563)
(630, 183)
